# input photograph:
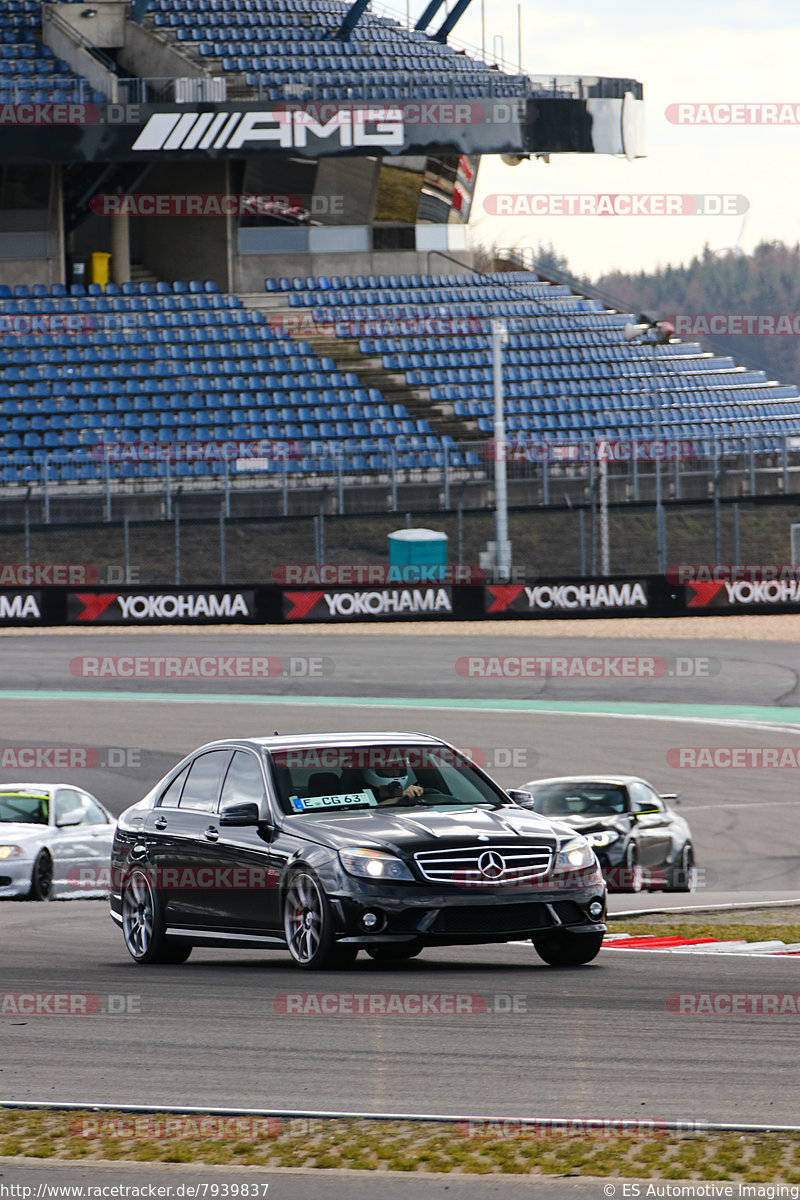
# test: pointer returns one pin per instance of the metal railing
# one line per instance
(540, 472)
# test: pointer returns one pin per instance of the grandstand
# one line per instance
(29, 71)
(244, 328)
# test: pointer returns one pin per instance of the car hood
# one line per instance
(591, 824)
(19, 833)
(414, 829)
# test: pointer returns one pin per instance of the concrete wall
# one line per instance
(187, 247)
(250, 271)
(147, 57)
(105, 31)
(79, 59)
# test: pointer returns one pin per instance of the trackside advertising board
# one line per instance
(20, 608)
(48, 132)
(370, 604)
(760, 596)
(544, 598)
(578, 598)
(192, 606)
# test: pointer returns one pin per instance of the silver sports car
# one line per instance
(55, 840)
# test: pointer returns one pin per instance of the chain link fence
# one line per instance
(550, 542)
(723, 500)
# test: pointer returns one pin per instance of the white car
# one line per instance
(55, 840)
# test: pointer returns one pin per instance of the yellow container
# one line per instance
(99, 267)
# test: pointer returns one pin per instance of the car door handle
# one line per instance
(160, 822)
(212, 834)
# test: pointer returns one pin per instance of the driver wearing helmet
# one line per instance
(392, 784)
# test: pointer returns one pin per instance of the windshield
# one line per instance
(29, 808)
(333, 779)
(580, 799)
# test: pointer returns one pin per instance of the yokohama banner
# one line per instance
(579, 598)
(379, 604)
(160, 607)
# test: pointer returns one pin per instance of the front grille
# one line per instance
(496, 918)
(501, 864)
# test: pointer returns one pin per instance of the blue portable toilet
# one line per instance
(417, 548)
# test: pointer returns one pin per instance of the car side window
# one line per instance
(68, 801)
(93, 813)
(202, 785)
(171, 797)
(644, 797)
(244, 782)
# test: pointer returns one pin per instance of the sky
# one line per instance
(700, 51)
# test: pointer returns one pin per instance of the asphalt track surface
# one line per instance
(312, 1185)
(589, 1042)
(592, 1042)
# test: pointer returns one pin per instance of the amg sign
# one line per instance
(289, 130)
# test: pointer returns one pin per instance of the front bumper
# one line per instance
(15, 877)
(449, 915)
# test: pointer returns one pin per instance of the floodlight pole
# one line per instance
(502, 545)
(660, 332)
(605, 557)
(661, 549)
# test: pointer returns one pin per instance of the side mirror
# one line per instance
(520, 796)
(69, 819)
(646, 810)
(240, 814)
(673, 797)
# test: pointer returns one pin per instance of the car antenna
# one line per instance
(276, 734)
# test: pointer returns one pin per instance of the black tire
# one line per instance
(684, 876)
(568, 949)
(630, 877)
(41, 877)
(308, 925)
(143, 926)
(398, 953)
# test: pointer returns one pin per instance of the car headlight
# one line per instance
(605, 838)
(10, 851)
(373, 864)
(574, 855)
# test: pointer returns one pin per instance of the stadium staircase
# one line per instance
(369, 368)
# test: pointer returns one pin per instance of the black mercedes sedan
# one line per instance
(640, 841)
(324, 846)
